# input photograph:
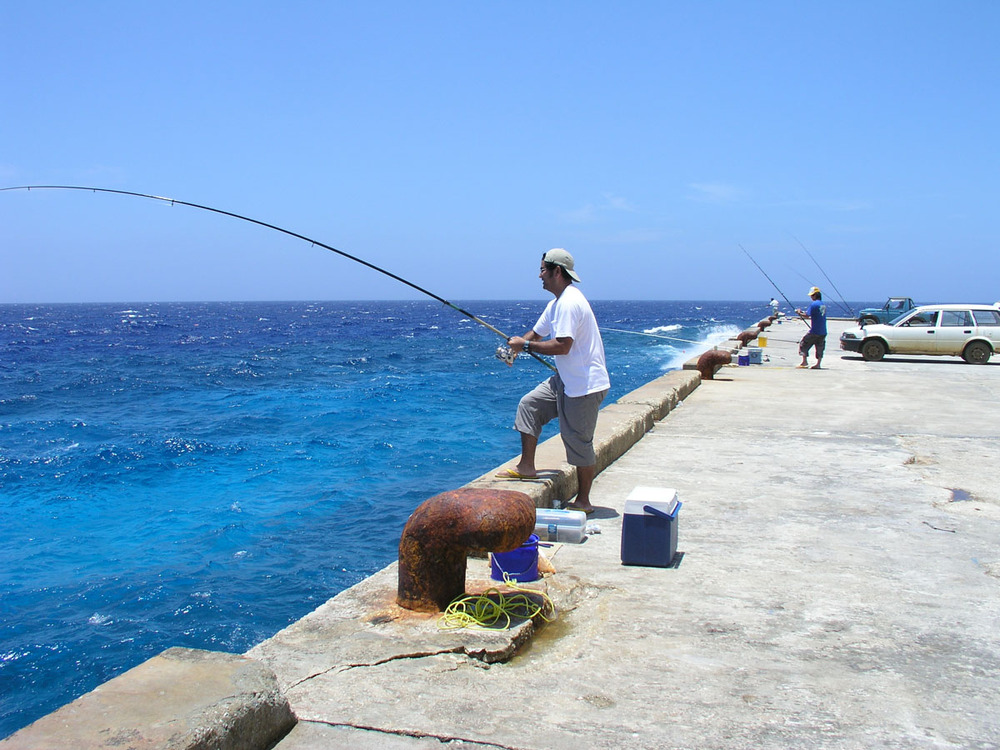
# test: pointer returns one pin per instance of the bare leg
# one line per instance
(585, 479)
(526, 466)
(819, 358)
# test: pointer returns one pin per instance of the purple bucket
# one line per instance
(520, 564)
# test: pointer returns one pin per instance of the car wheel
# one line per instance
(867, 321)
(977, 353)
(873, 350)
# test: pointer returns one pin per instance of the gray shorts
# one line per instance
(577, 418)
(809, 341)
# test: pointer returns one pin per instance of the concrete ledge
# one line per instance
(182, 699)
(620, 426)
(664, 393)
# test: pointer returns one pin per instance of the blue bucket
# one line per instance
(520, 564)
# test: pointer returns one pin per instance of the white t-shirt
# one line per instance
(583, 370)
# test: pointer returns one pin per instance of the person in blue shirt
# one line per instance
(817, 329)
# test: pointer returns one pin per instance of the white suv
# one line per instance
(968, 331)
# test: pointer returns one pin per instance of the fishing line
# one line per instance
(843, 301)
(811, 283)
(174, 201)
(772, 282)
(652, 335)
(800, 275)
(494, 610)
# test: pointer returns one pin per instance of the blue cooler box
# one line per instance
(649, 527)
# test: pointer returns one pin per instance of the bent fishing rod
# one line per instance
(772, 283)
(174, 201)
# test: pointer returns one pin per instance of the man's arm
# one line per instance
(551, 347)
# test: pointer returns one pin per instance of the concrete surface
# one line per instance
(182, 699)
(834, 591)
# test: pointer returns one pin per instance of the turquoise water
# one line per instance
(202, 475)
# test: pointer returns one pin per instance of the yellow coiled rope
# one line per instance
(494, 610)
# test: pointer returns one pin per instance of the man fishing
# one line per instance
(567, 330)
(816, 337)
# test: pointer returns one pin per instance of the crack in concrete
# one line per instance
(396, 657)
(442, 738)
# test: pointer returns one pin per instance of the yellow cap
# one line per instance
(814, 290)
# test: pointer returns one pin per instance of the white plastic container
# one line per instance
(558, 525)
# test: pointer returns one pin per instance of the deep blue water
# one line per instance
(202, 475)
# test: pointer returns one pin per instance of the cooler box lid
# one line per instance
(662, 498)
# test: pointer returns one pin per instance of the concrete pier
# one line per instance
(837, 583)
(839, 586)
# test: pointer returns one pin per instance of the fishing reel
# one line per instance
(506, 354)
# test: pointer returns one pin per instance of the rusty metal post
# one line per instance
(711, 360)
(441, 532)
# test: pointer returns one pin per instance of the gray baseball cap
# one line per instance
(560, 257)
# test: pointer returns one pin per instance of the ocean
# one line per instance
(204, 474)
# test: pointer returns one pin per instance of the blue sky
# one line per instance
(454, 142)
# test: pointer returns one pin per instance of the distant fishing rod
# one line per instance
(356, 259)
(772, 282)
(846, 306)
(811, 283)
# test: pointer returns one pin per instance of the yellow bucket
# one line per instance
(762, 341)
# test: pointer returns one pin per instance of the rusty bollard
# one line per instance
(442, 531)
(710, 360)
(747, 336)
